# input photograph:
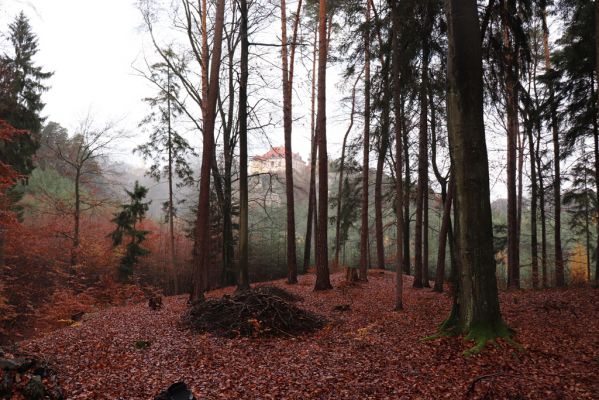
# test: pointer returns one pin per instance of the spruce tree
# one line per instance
(127, 225)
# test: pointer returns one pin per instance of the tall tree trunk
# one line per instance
(476, 312)
(511, 82)
(202, 245)
(559, 258)
(243, 281)
(364, 252)
(288, 125)
(323, 281)
(534, 251)
(340, 183)
(445, 227)
(313, 155)
(596, 136)
(406, 207)
(399, 194)
(542, 213)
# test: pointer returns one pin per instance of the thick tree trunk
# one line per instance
(323, 281)
(511, 82)
(557, 200)
(202, 245)
(243, 281)
(596, 151)
(476, 312)
(364, 253)
(445, 227)
(595, 136)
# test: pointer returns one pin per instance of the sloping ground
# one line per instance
(368, 352)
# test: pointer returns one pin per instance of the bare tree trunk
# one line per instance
(445, 227)
(559, 258)
(288, 126)
(202, 245)
(313, 155)
(243, 281)
(364, 253)
(476, 313)
(511, 82)
(542, 210)
(534, 251)
(323, 281)
(406, 211)
(399, 193)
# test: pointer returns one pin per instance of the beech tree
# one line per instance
(475, 312)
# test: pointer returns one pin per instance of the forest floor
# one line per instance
(368, 352)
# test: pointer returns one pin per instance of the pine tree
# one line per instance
(127, 225)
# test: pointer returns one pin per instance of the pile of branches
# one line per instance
(278, 292)
(251, 313)
(27, 376)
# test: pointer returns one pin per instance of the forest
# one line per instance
(318, 199)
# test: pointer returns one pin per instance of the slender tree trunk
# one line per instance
(77, 219)
(534, 251)
(340, 183)
(364, 253)
(543, 219)
(445, 227)
(323, 281)
(476, 312)
(511, 82)
(243, 281)
(313, 155)
(399, 193)
(406, 210)
(559, 258)
(202, 245)
(288, 126)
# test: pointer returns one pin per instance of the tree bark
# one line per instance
(202, 245)
(406, 210)
(243, 281)
(476, 312)
(77, 218)
(559, 258)
(399, 193)
(511, 82)
(323, 281)
(340, 183)
(534, 251)
(364, 253)
(445, 227)
(313, 155)
(288, 126)
(596, 136)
